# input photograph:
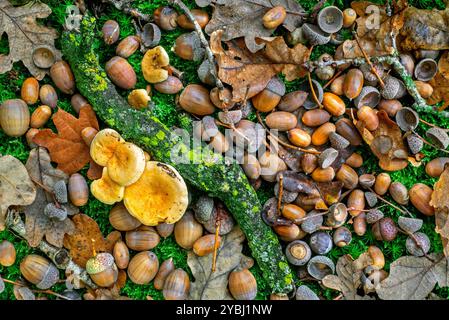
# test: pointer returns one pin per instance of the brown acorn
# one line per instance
(128, 46)
(7, 253)
(78, 101)
(424, 89)
(337, 85)
(187, 231)
(142, 239)
(369, 118)
(121, 73)
(164, 270)
(165, 17)
(353, 84)
(367, 180)
(345, 128)
(188, 47)
(14, 117)
(349, 16)
(274, 17)
(315, 117)
(356, 202)
(165, 229)
(420, 196)
(299, 137)
(333, 104)
(287, 233)
(102, 269)
(195, 99)
(242, 285)
(39, 271)
(176, 285)
(121, 220)
(292, 212)
(30, 136)
(281, 120)
(385, 229)
(268, 99)
(292, 101)
(111, 32)
(121, 255)
(202, 17)
(321, 135)
(48, 96)
(435, 167)
(348, 176)
(78, 190)
(143, 267)
(170, 86)
(355, 160)
(323, 175)
(359, 224)
(308, 162)
(225, 102)
(40, 116)
(205, 245)
(399, 192)
(62, 76)
(30, 91)
(88, 134)
(391, 107)
(383, 181)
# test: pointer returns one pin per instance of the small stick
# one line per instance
(403, 211)
(430, 144)
(177, 73)
(233, 128)
(432, 125)
(216, 243)
(418, 244)
(373, 70)
(313, 91)
(336, 75)
(37, 291)
(281, 192)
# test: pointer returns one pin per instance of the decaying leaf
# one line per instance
(243, 18)
(440, 202)
(23, 293)
(86, 240)
(67, 148)
(37, 224)
(210, 285)
(386, 143)
(440, 83)
(16, 187)
(25, 35)
(413, 278)
(249, 73)
(2, 284)
(105, 294)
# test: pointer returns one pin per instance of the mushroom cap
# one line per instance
(125, 161)
(159, 196)
(106, 190)
(153, 64)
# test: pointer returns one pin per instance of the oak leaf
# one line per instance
(67, 148)
(25, 35)
(440, 83)
(243, 18)
(440, 202)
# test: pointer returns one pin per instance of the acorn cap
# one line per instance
(412, 246)
(327, 157)
(330, 19)
(415, 144)
(276, 85)
(393, 89)
(150, 35)
(315, 35)
(426, 69)
(374, 215)
(410, 224)
(407, 119)
(438, 137)
(204, 71)
(44, 56)
(60, 190)
(203, 208)
(320, 242)
(305, 293)
(55, 213)
(338, 141)
(310, 104)
(298, 252)
(370, 198)
(320, 266)
(230, 117)
(369, 96)
(312, 223)
(369, 75)
(99, 263)
(337, 215)
(50, 278)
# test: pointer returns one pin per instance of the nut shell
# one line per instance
(48, 96)
(30, 91)
(121, 220)
(195, 99)
(142, 239)
(14, 117)
(176, 285)
(315, 35)
(187, 231)
(420, 196)
(7, 253)
(242, 285)
(111, 32)
(298, 253)
(143, 267)
(62, 76)
(39, 271)
(165, 269)
(205, 245)
(121, 255)
(121, 73)
(369, 96)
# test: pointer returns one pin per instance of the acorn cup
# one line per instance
(298, 253)
(102, 269)
(410, 225)
(315, 35)
(418, 244)
(407, 119)
(330, 19)
(426, 69)
(438, 137)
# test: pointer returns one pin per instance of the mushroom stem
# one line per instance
(204, 42)
(37, 291)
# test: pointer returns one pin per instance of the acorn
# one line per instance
(408, 62)
(48, 96)
(315, 117)
(78, 101)
(435, 167)
(315, 35)
(299, 137)
(274, 17)
(268, 98)
(418, 245)
(292, 212)
(346, 129)
(128, 46)
(369, 96)
(383, 181)
(391, 107)
(323, 175)
(369, 118)
(62, 76)
(242, 285)
(424, 89)
(336, 86)
(202, 17)
(287, 233)
(320, 242)
(188, 47)
(359, 224)
(78, 190)
(195, 99)
(385, 229)
(102, 269)
(142, 239)
(40, 116)
(39, 271)
(223, 99)
(348, 176)
(356, 202)
(355, 160)
(321, 135)
(170, 86)
(176, 285)
(7, 253)
(399, 192)
(353, 83)
(121, 73)
(110, 31)
(333, 104)
(166, 18)
(374, 215)
(393, 88)
(187, 231)
(231, 117)
(326, 72)
(426, 69)
(121, 220)
(270, 165)
(88, 134)
(251, 166)
(342, 237)
(165, 269)
(407, 119)
(370, 77)
(298, 253)
(313, 222)
(143, 267)
(281, 120)
(308, 162)
(327, 157)
(14, 117)
(30, 136)
(205, 245)
(420, 196)
(377, 257)
(30, 91)
(330, 19)
(165, 229)
(367, 180)
(438, 137)
(121, 254)
(337, 215)
(349, 16)
(292, 101)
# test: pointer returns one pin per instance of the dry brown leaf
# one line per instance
(249, 73)
(440, 201)
(86, 239)
(25, 34)
(387, 129)
(67, 148)
(440, 83)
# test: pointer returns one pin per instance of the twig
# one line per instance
(432, 125)
(373, 70)
(313, 91)
(430, 144)
(418, 244)
(204, 42)
(216, 243)
(37, 291)
(281, 192)
(403, 211)
(336, 75)
(232, 128)
(124, 5)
